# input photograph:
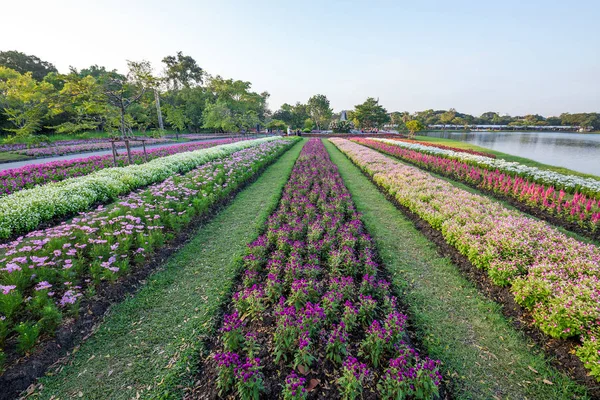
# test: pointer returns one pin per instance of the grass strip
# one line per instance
(149, 344)
(482, 354)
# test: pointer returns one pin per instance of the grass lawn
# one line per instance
(505, 156)
(149, 345)
(482, 354)
(10, 157)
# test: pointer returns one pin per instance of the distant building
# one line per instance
(343, 116)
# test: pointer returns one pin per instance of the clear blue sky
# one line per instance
(513, 57)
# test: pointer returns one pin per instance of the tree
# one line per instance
(308, 124)
(414, 126)
(447, 117)
(23, 101)
(285, 114)
(80, 101)
(122, 91)
(218, 116)
(319, 110)
(370, 114)
(24, 63)
(277, 124)
(182, 71)
(175, 116)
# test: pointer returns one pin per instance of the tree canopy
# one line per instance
(24, 63)
(370, 114)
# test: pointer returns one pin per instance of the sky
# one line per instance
(515, 57)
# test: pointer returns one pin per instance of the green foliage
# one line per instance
(308, 125)
(23, 101)
(370, 114)
(182, 71)
(414, 126)
(24, 63)
(319, 109)
(28, 333)
(277, 124)
(175, 116)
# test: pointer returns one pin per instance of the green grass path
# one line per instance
(483, 354)
(148, 345)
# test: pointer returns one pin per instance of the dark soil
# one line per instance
(23, 371)
(559, 351)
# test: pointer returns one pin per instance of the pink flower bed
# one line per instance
(44, 274)
(574, 208)
(555, 277)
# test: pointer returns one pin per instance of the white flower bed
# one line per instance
(23, 211)
(556, 179)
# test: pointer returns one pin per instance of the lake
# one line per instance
(576, 151)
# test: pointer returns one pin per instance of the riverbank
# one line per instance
(508, 157)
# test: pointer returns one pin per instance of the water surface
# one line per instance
(576, 151)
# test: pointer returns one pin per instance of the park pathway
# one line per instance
(19, 164)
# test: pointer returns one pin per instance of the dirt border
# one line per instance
(558, 351)
(25, 370)
(519, 205)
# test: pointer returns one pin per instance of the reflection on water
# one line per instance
(580, 152)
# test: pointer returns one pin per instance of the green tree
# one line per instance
(23, 101)
(24, 63)
(122, 91)
(80, 101)
(175, 116)
(319, 109)
(219, 117)
(447, 117)
(370, 114)
(182, 71)
(414, 126)
(309, 124)
(277, 124)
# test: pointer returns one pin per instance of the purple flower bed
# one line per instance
(13, 180)
(45, 273)
(78, 146)
(314, 315)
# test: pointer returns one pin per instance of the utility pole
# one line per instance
(160, 120)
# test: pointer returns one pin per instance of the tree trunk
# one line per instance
(158, 111)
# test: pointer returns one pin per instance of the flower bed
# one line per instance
(441, 146)
(46, 272)
(25, 210)
(569, 183)
(13, 180)
(80, 146)
(553, 276)
(313, 312)
(578, 209)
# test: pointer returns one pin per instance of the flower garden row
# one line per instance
(59, 149)
(555, 277)
(313, 311)
(25, 210)
(13, 180)
(568, 183)
(46, 273)
(23, 146)
(441, 146)
(579, 209)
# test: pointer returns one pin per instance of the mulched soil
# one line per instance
(22, 371)
(560, 352)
